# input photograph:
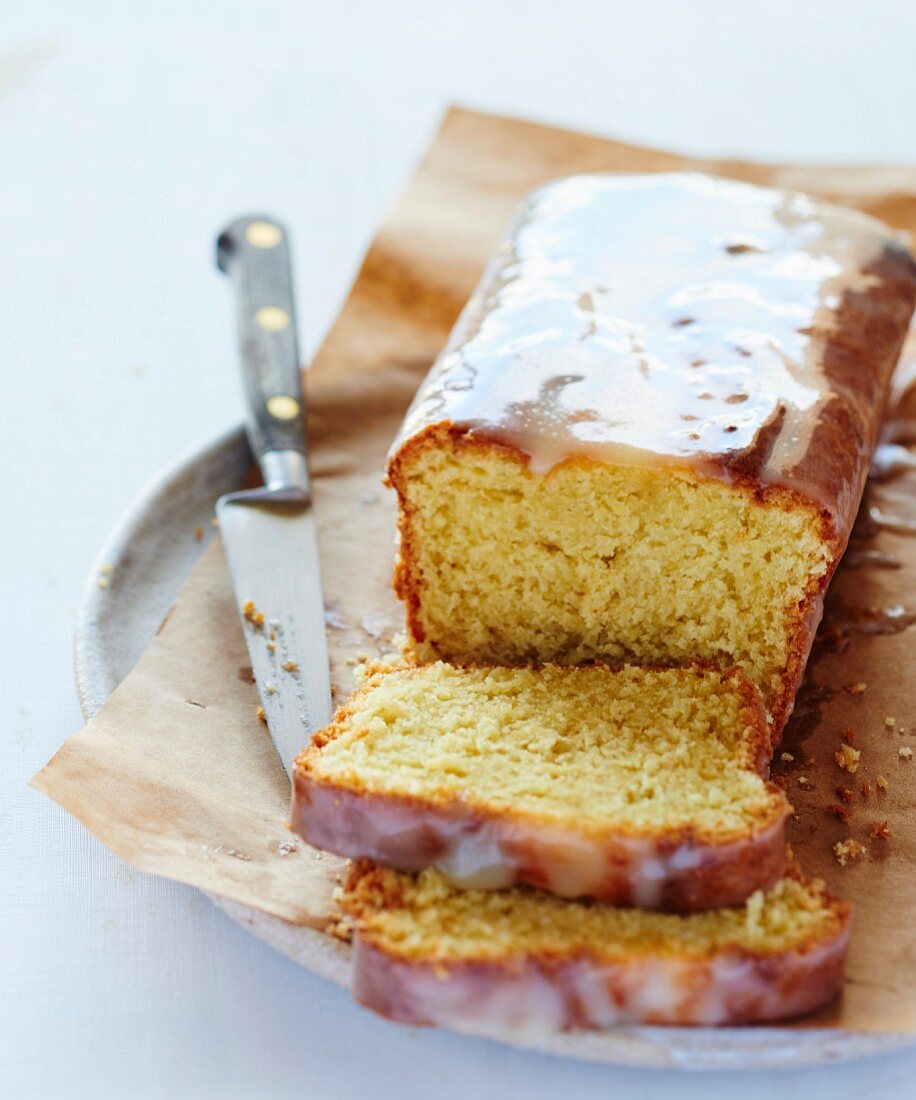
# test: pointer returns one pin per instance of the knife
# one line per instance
(269, 534)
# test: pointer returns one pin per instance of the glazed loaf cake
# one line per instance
(520, 961)
(636, 785)
(649, 433)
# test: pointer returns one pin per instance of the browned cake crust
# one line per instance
(678, 868)
(565, 988)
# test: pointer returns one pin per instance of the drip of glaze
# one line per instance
(901, 525)
(857, 557)
(843, 621)
(891, 460)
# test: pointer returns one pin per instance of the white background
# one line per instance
(128, 133)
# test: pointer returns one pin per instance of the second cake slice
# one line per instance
(638, 786)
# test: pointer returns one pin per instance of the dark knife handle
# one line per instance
(254, 252)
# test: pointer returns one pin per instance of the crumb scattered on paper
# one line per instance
(848, 758)
(848, 850)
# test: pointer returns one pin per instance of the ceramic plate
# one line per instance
(111, 635)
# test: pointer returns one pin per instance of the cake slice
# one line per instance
(640, 786)
(523, 962)
(648, 435)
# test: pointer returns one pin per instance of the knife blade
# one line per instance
(269, 534)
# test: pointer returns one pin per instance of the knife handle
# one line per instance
(254, 252)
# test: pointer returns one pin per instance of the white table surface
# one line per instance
(128, 133)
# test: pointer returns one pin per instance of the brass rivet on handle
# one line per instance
(272, 318)
(263, 235)
(283, 407)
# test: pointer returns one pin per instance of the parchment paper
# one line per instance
(177, 775)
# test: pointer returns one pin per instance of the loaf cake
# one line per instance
(522, 962)
(637, 785)
(648, 435)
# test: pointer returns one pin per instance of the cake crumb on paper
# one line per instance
(856, 688)
(848, 850)
(905, 753)
(848, 758)
(880, 830)
(881, 783)
(259, 711)
(786, 757)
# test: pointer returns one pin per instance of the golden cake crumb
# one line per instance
(856, 689)
(905, 753)
(889, 722)
(290, 666)
(848, 850)
(848, 758)
(880, 830)
(251, 614)
(259, 711)
(881, 783)
(844, 794)
(787, 757)
(103, 582)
